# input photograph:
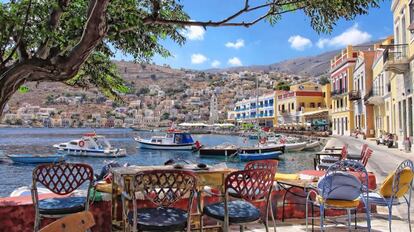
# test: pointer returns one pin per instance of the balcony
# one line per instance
(374, 98)
(354, 95)
(396, 58)
(338, 92)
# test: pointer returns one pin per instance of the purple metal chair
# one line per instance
(62, 179)
(163, 188)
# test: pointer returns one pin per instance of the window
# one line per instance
(312, 105)
(293, 106)
(319, 104)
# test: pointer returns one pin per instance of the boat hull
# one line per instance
(30, 159)
(93, 153)
(260, 156)
(246, 150)
(295, 146)
(312, 146)
(155, 146)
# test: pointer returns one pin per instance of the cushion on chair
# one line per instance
(64, 205)
(405, 180)
(162, 218)
(284, 176)
(343, 186)
(239, 211)
(376, 199)
(343, 204)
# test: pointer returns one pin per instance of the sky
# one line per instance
(262, 43)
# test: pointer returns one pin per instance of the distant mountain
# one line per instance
(303, 66)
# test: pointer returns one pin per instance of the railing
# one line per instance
(338, 91)
(372, 93)
(354, 95)
(396, 52)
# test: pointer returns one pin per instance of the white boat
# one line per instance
(312, 145)
(91, 145)
(173, 140)
(295, 146)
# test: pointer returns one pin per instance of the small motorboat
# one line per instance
(260, 156)
(91, 145)
(173, 140)
(312, 145)
(295, 146)
(27, 191)
(231, 149)
(36, 158)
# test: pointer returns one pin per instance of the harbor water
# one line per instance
(41, 140)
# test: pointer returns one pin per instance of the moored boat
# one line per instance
(259, 156)
(230, 149)
(312, 145)
(173, 140)
(295, 146)
(90, 145)
(36, 158)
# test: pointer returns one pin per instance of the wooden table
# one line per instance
(122, 177)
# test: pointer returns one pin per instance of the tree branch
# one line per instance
(20, 36)
(225, 22)
(53, 23)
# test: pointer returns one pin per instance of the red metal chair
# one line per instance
(61, 179)
(163, 188)
(262, 164)
(250, 186)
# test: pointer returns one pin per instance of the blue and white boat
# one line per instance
(90, 145)
(36, 158)
(173, 140)
(259, 156)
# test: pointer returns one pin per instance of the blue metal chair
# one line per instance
(250, 186)
(339, 189)
(394, 187)
(61, 179)
(163, 188)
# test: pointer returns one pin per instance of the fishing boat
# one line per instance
(172, 140)
(36, 158)
(312, 145)
(90, 145)
(259, 156)
(231, 149)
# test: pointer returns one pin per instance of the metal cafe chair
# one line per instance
(396, 186)
(340, 189)
(325, 162)
(163, 188)
(77, 222)
(61, 179)
(250, 186)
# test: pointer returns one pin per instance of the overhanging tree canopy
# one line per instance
(72, 41)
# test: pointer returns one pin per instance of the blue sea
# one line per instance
(41, 140)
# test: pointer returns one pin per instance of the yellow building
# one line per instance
(293, 104)
(398, 62)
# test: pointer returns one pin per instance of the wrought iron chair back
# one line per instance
(399, 189)
(344, 152)
(250, 185)
(262, 164)
(165, 187)
(366, 156)
(62, 178)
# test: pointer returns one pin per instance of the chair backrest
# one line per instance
(344, 152)
(365, 157)
(250, 185)
(338, 176)
(62, 178)
(399, 182)
(165, 187)
(262, 164)
(77, 222)
(363, 149)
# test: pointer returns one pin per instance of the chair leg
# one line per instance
(355, 218)
(273, 216)
(390, 218)
(241, 228)
(36, 223)
(349, 219)
(322, 212)
(409, 217)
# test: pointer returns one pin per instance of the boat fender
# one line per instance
(263, 140)
(197, 144)
(81, 143)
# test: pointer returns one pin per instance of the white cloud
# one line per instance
(215, 63)
(198, 58)
(194, 33)
(238, 44)
(352, 36)
(234, 61)
(299, 43)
